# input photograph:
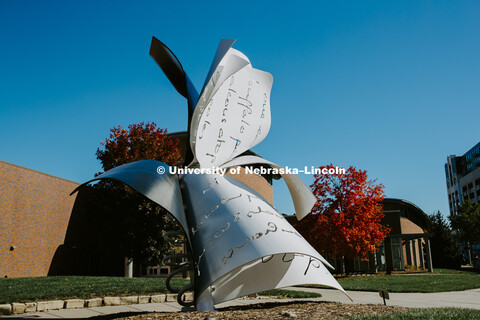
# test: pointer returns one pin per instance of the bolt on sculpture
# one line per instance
(240, 244)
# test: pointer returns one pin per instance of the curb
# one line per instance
(40, 306)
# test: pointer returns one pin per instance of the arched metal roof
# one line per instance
(419, 213)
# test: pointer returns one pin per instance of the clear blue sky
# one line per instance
(391, 87)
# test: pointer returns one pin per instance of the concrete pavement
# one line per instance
(99, 311)
(459, 299)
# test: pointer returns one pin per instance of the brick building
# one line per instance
(35, 210)
(408, 243)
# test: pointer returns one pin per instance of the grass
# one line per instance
(68, 287)
(413, 283)
(46, 288)
(290, 294)
(443, 281)
(452, 271)
(424, 314)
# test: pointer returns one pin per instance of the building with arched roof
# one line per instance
(407, 245)
(409, 237)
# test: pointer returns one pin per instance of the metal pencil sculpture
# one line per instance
(240, 244)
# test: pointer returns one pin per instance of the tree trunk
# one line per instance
(128, 267)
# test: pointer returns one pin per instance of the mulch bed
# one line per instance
(271, 310)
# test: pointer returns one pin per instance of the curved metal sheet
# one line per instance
(222, 49)
(272, 272)
(146, 177)
(174, 71)
(235, 118)
(232, 62)
(302, 196)
(231, 226)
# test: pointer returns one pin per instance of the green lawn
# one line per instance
(290, 294)
(48, 288)
(444, 280)
(425, 314)
(412, 283)
(452, 271)
(44, 288)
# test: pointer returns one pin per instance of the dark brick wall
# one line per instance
(35, 210)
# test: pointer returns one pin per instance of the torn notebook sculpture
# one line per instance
(239, 243)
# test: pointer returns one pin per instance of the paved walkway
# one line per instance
(459, 299)
(98, 311)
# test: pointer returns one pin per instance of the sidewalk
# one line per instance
(98, 311)
(459, 299)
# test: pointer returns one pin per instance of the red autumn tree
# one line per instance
(122, 222)
(143, 141)
(345, 221)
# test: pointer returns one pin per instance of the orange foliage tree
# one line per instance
(345, 221)
(122, 222)
(143, 141)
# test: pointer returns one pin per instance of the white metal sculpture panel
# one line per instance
(240, 244)
(233, 112)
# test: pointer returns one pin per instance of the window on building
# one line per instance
(381, 258)
(397, 253)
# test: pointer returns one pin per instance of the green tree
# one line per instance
(467, 222)
(444, 244)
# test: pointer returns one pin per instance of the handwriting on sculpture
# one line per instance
(270, 228)
(233, 233)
